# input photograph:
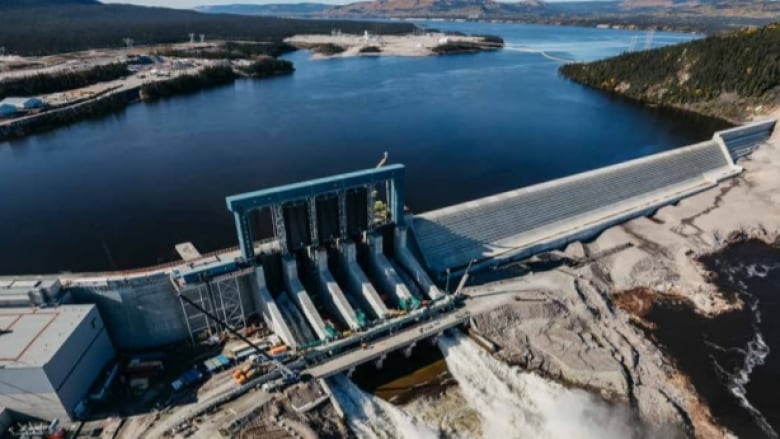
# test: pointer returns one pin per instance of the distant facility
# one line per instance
(50, 357)
(13, 106)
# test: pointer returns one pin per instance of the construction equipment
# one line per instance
(331, 330)
(463, 280)
(288, 374)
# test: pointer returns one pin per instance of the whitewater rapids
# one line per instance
(373, 418)
(516, 404)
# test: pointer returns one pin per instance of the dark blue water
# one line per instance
(731, 359)
(120, 191)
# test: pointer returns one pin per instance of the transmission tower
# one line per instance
(202, 38)
(2, 50)
(128, 42)
(192, 38)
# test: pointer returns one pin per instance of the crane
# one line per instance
(287, 373)
(383, 161)
(463, 280)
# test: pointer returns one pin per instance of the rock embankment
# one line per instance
(582, 325)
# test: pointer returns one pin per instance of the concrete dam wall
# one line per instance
(139, 313)
(142, 310)
(549, 215)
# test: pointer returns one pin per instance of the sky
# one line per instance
(186, 4)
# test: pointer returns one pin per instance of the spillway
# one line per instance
(372, 418)
(415, 270)
(331, 293)
(302, 299)
(357, 281)
(386, 276)
(516, 404)
(272, 315)
(295, 319)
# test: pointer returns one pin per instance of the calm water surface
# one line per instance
(120, 191)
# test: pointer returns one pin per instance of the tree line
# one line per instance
(233, 50)
(188, 83)
(44, 83)
(57, 28)
(745, 62)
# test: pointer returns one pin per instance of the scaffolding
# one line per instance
(220, 296)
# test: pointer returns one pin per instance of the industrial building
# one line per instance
(50, 357)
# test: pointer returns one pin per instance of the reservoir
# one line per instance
(120, 191)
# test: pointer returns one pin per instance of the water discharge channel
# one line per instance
(371, 417)
(510, 403)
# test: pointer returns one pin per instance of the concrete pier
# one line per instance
(385, 274)
(357, 281)
(301, 297)
(331, 293)
(407, 260)
(270, 311)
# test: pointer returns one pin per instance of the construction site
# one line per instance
(328, 275)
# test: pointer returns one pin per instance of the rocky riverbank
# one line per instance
(565, 323)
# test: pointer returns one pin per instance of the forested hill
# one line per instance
(36, 27)
(732, 75)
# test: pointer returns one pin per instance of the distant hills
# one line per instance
(278, 9)
(435, 8)
(28, 3)
(680, 15)
(38, 27)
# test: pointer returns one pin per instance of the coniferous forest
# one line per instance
(40, 27)
(45, 83)
(740, 66)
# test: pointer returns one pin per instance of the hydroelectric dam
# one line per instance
(342, 273)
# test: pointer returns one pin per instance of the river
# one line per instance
(120, 191)
(731, 359)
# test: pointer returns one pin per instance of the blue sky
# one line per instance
(193, 3)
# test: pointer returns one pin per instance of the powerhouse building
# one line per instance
(49, 358)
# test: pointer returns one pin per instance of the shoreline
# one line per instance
(119, 94)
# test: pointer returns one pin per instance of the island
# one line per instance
(338, 45)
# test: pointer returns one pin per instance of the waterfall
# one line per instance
(372, 417)
(516, 404)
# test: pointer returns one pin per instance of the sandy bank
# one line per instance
(389, 45)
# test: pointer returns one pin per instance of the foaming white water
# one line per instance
(374, 418)
(516, 404)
